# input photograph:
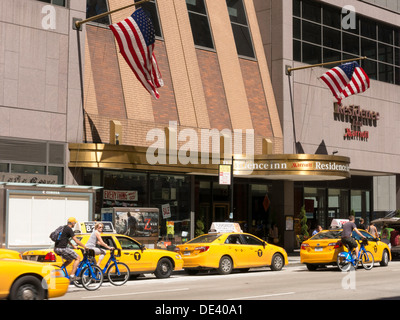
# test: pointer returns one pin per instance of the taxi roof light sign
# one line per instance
(224, 227)
(338, 223)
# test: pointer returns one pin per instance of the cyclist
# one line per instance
(95, 241)
(62, 250)
(347, 238)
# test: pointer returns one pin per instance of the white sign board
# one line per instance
(338, 223)
(223, 227)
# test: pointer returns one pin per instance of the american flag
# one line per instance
(346, 80)
(136, 37)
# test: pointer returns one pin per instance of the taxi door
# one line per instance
(235, 247)
(258, 252)
(373, 246)
(133, 255)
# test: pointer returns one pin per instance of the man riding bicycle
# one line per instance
(347, 238)
(62, 250)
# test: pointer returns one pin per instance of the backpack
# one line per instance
(56, 234)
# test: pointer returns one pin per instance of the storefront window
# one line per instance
(360, 203)
(338, 200)
(314, 201)
(171, 195)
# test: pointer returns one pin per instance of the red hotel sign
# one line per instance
(357, 117)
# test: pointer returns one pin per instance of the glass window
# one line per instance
(297, 28)
(128, 243)
(199, 23)
(371, 68)
(351, 43)
(386, 73)
(368, 48)
(128, 182)
(57, 171)
(208, 238)
(25, 168)
(332, 38)
(368, 28)
(311, 32)
(171, 194)
(55, 2)
(240, 29)
(385, 53)
(311, 11)
(297, 50)
(3, 167)
(331, 55)
(332, 17)
(252, 240)
(95, 7)
(151, 8)
(296, 8)
(311, 54)
(397, 76)
(233, 239)
(385, 33)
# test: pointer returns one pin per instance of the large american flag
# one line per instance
(136, 37)
(346, 80)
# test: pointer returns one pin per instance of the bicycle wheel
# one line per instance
(118, 273)
(367, 260)
(343, 262)
(91, 281)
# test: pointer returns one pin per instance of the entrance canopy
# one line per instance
(295, 167)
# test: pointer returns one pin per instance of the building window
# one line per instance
(96, 7)
(240, 28)
(199, 23)
(151, 8)
(319, 37)
(61, 3)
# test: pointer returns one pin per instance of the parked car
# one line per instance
(322, 249)
(27, 280)
(232, 250)
(138, 258)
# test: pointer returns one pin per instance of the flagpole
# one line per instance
(289, 70)
(102, 15)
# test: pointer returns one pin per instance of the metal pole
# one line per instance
(289, 70)
(79, 23)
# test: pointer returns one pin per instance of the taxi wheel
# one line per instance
(277, 262)
(225, 265)
(27, 288)
(385, 259)
(164, 268)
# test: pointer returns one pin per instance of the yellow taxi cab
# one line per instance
(322, 249)
(225, 251)
(138, 258)
(27, 280)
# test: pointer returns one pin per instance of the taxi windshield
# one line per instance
(207, 238)
(332, 234)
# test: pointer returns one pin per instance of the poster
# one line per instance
(137, 223)
(225, 174)
(166, 211)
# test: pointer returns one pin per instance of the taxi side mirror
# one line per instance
(142, 247)
(264, 244)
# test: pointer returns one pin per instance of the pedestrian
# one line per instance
(372, 230)
(362, 225)
(317, 229)
(96, 242)
(62, 250)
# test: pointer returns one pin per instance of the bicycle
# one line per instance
(345, 259)
(88, 274)
(117, 272)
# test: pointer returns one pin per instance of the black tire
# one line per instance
(311, 267)
(277, 262)
(225, 265)
(385, 259)
(88, 282)
(118, 277)
(343, 264)
(27, 288)
(164, 268)
(367, 260)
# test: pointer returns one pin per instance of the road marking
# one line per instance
(264, 296)
(134, 293)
